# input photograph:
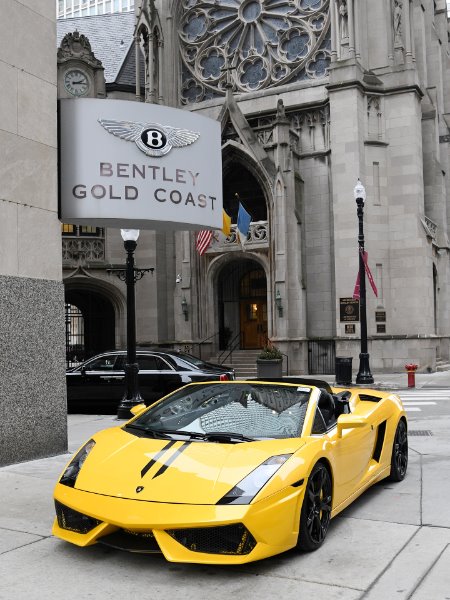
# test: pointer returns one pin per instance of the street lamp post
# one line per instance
(130, 275)
(364, 375)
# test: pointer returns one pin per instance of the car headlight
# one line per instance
(246, 490)
(70, 475)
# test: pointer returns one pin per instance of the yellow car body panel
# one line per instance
(272, 520)
(121, 459)
(142, 485)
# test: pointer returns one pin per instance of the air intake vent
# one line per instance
(381, 431)
(227, 539)
(142, 542)
(369, 398)
(74, 521)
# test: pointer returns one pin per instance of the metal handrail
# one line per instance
(199, 344)
(287, 363)
(235, 342)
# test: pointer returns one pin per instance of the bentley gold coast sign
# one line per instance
(137, 165)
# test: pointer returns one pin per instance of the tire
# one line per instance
(399, 459)
(316, 509)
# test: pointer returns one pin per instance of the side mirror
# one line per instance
(83, 370)
(138, 409)
(350, 422)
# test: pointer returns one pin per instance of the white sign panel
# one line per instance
(137, 165)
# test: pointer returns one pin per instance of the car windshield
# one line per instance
(245, 409)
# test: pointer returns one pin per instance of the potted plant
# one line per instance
(269, 362)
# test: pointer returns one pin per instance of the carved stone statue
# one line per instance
(397, 21)
(343, 19)
(281, 111)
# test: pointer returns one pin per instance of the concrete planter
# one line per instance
(272, 367)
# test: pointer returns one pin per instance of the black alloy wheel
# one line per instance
(399, 460)
(316, 509)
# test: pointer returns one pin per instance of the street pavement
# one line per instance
(391, 543)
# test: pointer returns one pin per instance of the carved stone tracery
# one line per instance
(310, 129)
(256, 44)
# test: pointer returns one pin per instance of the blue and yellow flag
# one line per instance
(243, 224)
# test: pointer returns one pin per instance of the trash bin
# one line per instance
(343, 370)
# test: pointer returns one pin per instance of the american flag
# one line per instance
(203, 240)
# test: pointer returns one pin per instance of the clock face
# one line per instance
(76, 82)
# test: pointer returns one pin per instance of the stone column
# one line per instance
(388, 20)
(334, 24)
(160, 71)
(137, 49)
(407, 29)
(151, 74)
(351, 28)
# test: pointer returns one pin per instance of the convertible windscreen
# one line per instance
(245, 411)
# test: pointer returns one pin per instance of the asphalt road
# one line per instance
(420, 403)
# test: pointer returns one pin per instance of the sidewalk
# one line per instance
(393, 542)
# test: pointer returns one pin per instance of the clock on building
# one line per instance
(76, 82)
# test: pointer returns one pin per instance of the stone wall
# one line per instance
(33, 419)
(32, 366)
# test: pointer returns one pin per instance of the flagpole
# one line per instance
(364, 375)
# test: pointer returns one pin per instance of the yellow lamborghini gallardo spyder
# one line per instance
(231, 472)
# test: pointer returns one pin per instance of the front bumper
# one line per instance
(231, 534)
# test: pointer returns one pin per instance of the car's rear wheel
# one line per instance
(316, 509)
(399, 460)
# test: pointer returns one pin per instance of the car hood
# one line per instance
(126, 466)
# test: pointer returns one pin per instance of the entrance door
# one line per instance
(253, 323)
(242, 295)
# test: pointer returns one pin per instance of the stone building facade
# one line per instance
(311, 95)
(33, 419)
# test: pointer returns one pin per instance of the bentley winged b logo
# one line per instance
(151, 138)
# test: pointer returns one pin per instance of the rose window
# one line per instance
(251, 44)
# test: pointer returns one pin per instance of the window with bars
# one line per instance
(253, 284)
(75, 349)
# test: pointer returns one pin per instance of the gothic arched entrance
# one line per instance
(90, 324)
(242, 295)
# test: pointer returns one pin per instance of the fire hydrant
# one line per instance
(411, 370)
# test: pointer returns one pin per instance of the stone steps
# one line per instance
(442, 365)
(242, 361)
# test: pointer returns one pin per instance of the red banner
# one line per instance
(369, 277)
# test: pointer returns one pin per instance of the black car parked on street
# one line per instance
(99, 383)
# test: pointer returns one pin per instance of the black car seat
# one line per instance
(341, 403)
(327, 408)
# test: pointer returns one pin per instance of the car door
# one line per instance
(98, 382)
(156, 377)
(350, 455)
